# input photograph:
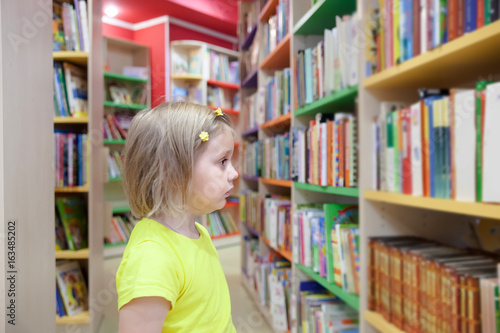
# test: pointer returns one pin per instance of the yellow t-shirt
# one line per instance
(187, 272)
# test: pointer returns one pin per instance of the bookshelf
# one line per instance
(91, 258)
(456, 64)
(120, 57)
(306, 28)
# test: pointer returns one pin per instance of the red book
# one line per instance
(341, 152)
(460, 18)
(480, 13)
(329, 153)
(123, 133)
(406, 127)
(416, 27)
(111, 124)
(453, 19)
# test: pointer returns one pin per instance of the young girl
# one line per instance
(176, 166)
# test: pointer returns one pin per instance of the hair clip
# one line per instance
(204, 136)
(219, 112)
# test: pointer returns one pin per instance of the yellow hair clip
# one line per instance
(219, 112)
(204, 136)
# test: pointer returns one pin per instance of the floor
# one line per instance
(246, 317)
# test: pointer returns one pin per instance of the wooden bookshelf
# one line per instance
(281, 123)
(71, 120)
(276, 182)
(222, 84)
(268, 10)
(74, 189)
(460, 61)
(378, 322)
(81, 318)
(476, 209)
(279, 58)
(75, 57)
(67, 254)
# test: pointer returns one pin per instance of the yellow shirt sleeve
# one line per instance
(149, 269)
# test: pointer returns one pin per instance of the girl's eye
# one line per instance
(223, 162)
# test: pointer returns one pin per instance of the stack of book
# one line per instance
(115, 166)
(70, 28)
(71, 156)
(218, 97)
(276, 157)
(420, 285)
(403, 29)
(327, 241)
(278, 94)
(221, 69)
(71, 289)
(112, 128)
(444, 146)
(70, 224)
(70, 90)
(120, 229)
(320, 311)
(330, 66)
(252, 162)
(276, 28)
(121, 92)
(219, 223)
(250, 209)
(326, 153)
(277, 222)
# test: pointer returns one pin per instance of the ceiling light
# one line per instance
(111, 11)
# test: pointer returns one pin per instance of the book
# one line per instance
(73, 216)
(76, 87)
(72, 287)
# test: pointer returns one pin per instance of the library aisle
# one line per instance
(246, 317)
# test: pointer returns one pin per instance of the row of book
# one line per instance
(71, 158)
(116, 125)
(443, 146)
(326, 153)
(71, 289)
(423, 286)
(321, 311)
(276, 28)
(221, 69)
(115, 164)
(277, 92)
(277, 222)
(250, 209)
(126, 93)
(329, 66)
(70, 27)
(71, 223)
(190, 93)
(187, 62)
(120, 228)
(252, 158)
(251, 105)
(70, 90)
(403, 29)
(250, 58)
(219, 223)
(326, 239)
(276, 157)
(218, 97)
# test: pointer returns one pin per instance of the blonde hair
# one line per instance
(158, 159)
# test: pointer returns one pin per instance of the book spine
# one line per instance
(416, 28)
(452, 19)
(460, 17)
(480, 13)
(470, 15)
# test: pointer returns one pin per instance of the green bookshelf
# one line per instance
(351, 299)
(108, 246)
(321, 16)
(114, 141)
(115, 179)
(121, 209)
(347, 191)
(125, 106)
(342, 100)
(120, 77)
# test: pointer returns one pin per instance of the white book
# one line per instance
(353, 54)
(324, 150)
(295, 237)
(321, 88)
(85, 25)
(337, 78)
(375, 154)
(491, 144)
(388, 166)
(464, 145)
(328, 62)
(423, 26)
(436, 31)
(416, 150)
(344, 64)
